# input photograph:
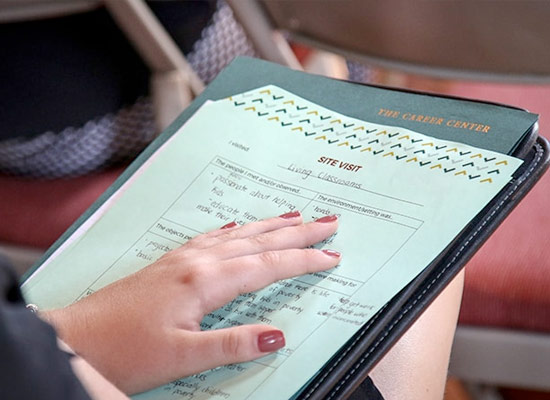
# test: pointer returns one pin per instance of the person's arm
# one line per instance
(144, 330)
(31, 363)
(95, 384)
(416, 367)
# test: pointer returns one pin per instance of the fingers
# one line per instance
(233, 231)
(253, 272)
(298, 236)
(270, 224)
(268, 235)
(213, 348)
(251, 257)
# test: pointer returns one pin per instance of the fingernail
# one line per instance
(289, 215)
(229, 225)
(332, 253)
(328, 218)
(271, 341)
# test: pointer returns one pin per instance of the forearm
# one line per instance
(416, 367)
(95, 384)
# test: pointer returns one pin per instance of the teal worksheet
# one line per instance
(401, 197)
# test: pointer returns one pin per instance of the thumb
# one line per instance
(234, 345)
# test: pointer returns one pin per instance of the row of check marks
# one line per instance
(359, 136)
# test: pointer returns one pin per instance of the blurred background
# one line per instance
(87, 84)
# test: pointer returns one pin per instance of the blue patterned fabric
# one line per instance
(118, 136)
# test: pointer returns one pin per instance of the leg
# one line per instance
(416, 367)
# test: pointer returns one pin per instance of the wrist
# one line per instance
(65, 324)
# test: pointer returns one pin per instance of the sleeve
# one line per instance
(366, 391)
(31, 365)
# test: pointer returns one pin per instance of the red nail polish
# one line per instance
(289, 215)
(271, 341)
(229, 225)
(332, 253)
(328, 218)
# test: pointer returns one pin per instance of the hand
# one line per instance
(144, 330)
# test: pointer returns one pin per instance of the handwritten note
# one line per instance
(401, 198)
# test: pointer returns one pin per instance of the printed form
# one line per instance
(401, 198)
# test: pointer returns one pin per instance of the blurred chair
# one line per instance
(503, 337)
(503, 41)
(34, 213)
